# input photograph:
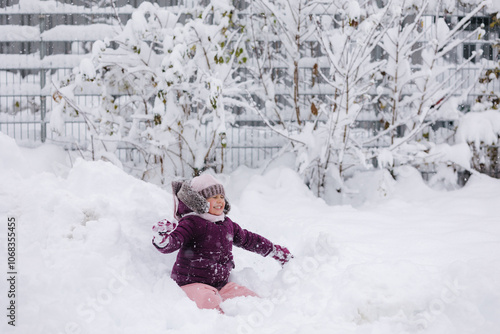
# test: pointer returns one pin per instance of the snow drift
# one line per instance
(409, 259)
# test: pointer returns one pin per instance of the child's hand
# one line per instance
(162, 231)
(164, 227)
(281, 254)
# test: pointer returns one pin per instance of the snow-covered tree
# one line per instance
(311, 69)
(352, 74)
(166, 86)
(281, 36)
(406, 90)
(421, 81)
(326, 57)
(287, 62)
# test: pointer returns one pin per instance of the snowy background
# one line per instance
(402, 258)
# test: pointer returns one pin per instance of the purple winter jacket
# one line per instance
(205, 254)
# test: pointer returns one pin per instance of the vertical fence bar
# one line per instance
(42, 74)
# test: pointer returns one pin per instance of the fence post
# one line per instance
(43, 99)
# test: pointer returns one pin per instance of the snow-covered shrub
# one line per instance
(420, 82)
(481, 131)
(166, 87)
(350, 62)
(168, 83)
(313, 64)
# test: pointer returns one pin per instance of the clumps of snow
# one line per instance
(494, 7)
(385, 158)
(54, 7)
(98, 47)
(369, 187)
(353, 10)
(480, 128)
(57, 121)
(445, 178)
(80, 32)
(443, 31)
(139, 22)
(459, 154)
(87, 69)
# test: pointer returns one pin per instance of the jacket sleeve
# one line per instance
(251, 241)
(177, 238)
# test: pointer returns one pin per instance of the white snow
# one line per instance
(33, 61)
(90, 32)
(10, 33)
(385, 158)
(405, 259)
(459, 154)
(16, 33)
(52, 7)
(480, 127)
(87, 69)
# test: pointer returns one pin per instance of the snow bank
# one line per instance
(412, 261)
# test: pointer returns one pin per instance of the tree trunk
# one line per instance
(296, 90)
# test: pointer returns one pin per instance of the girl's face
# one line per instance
(217, 204)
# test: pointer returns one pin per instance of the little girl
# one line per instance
(204, 236)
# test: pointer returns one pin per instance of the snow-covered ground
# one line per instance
(409, 259)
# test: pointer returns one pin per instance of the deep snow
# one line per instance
(405, 259)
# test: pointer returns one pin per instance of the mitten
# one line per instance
(162, 231)
(281, 254)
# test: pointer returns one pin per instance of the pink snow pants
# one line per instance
(208, 297)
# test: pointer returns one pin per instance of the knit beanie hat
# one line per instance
(194, 194)
(207, 186)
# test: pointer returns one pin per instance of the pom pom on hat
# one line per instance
(207, 186)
